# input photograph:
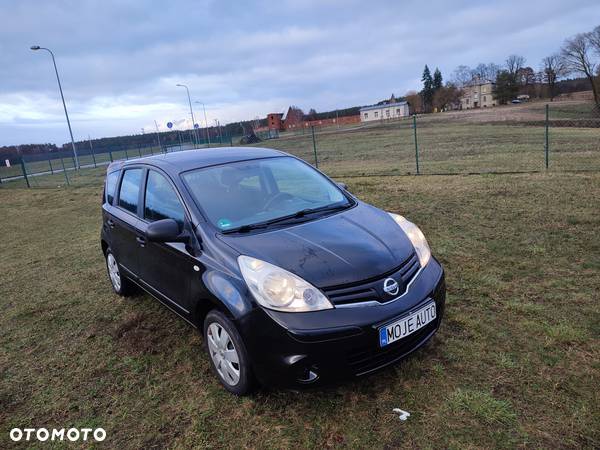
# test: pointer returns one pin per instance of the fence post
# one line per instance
(416, 142)
(50, 164)
(92, 150)
(547, 145)
(314, 146)
(126, 154)
(62, 161)
(24, 172)
(140, 150)
(110, 155)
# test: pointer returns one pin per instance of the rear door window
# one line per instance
(130, 189)
(111, 185)
(161, 200)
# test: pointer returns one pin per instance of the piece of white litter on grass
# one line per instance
(402, 415)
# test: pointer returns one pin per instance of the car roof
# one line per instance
(177, 162)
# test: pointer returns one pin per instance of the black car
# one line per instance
(292, 280)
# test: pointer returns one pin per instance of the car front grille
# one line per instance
(372, 289)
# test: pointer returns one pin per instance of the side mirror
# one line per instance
(165, 230)
(344, 186)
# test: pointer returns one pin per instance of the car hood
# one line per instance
(353, 245)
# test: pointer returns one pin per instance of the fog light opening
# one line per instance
(308, 375)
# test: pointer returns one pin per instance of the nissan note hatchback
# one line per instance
(290, 278)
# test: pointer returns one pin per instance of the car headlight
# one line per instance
(416, 236)
(279, 289)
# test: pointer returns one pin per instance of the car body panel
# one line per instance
(342, 248)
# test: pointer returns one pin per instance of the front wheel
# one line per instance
(228, 356)
(121, 285)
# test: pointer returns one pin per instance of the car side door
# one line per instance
(123, 221)
(166, 268)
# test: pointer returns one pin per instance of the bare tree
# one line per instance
(514, 63)
(594, 38)
(553, 68)
(415, 102)
(462, 75)
(492, 71)
(576, 54)
(447, 97)
(525, 76)
(486, 71)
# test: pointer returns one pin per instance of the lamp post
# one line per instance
(191, 111)
(37, 47)
(206, 122)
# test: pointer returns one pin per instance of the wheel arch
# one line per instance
(104, 246)
(224, 294)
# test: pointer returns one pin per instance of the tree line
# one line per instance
(133, 141)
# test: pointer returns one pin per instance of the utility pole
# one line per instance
(206, 122)
(191, 113)
(37, 47)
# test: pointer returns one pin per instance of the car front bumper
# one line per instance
(291, 349)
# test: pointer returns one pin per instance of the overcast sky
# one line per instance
(120, 60)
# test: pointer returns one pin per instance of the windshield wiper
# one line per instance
(255, 226)
(296, 215)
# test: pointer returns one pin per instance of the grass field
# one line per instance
(516, 362)
(503, 139)
(445, 147)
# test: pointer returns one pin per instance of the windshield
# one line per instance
(253, 192)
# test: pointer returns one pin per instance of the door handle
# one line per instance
(110, 223)
(141, 240)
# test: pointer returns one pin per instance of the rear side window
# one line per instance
(161, 200)
(130, 189)
(111, 185)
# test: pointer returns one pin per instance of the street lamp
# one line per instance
(191, 110)
(206, 122)
(37, 47)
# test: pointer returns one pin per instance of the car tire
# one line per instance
(120, 284)
(227, 354)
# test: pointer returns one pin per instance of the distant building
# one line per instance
(390, 110)
(270, 127)
(478, 94)
(275, 121)
(294, 118)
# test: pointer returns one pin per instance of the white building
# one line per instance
(384, 112)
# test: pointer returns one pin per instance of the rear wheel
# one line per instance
(121, 285)
(228, 356)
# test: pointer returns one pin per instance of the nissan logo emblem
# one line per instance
(390, 286)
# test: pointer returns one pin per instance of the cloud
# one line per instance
(120, 60)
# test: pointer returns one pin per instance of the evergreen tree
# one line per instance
(506, 87)
(437, 79)
(427, 92)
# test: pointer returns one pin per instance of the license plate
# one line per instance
(407, 325)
